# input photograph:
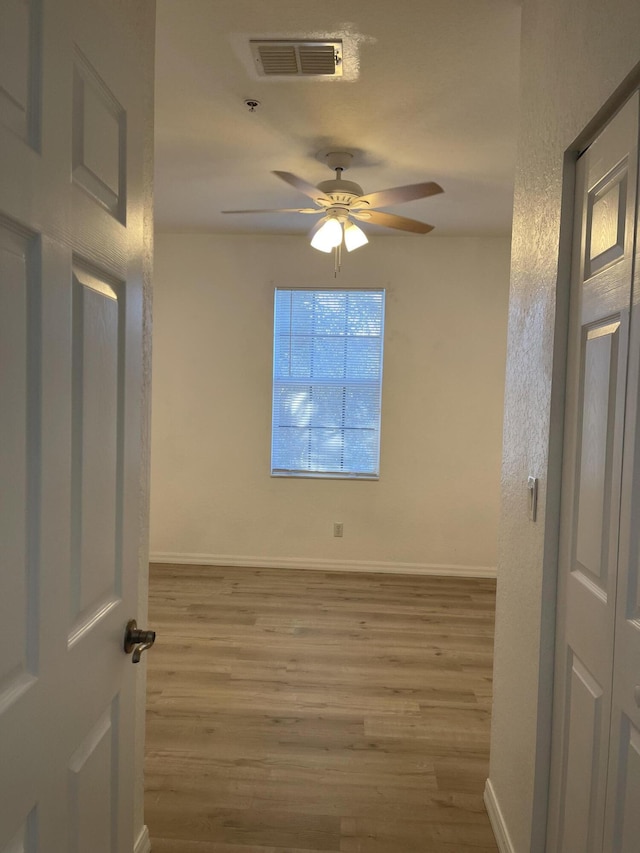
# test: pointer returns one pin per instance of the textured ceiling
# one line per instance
(429, 93)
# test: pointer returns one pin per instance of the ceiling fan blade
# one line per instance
(279, 210)
(303, 186)
(390, 220)
(398, 195)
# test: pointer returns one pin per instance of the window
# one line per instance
(327, 383)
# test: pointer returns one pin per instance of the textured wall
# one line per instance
(575, 54)
(445, 341)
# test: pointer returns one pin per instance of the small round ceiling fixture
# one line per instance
(251, 104)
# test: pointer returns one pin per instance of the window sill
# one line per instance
(323, 475)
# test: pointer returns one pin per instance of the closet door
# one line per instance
(622, 830)
(591, 488)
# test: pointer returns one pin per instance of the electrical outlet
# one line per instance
(338, 528)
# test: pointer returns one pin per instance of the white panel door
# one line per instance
(75, 97)
(592, 468)
(622, 830)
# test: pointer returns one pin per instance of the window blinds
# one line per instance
(327, 381)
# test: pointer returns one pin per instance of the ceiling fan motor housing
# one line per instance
(339, 191)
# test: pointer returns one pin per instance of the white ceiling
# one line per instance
(429, 93)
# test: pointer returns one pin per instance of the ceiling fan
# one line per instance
(341, 202)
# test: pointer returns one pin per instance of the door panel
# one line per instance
(91, 768)
(96, 464)
(596, 439)
(20, 60)
(18, 384)
(584, 755)
(99, 138)
(591, 485)
(625, 818)
(72, 264)
(606, 220)
(24, 839)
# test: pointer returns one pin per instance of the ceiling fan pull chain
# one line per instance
(337, 260)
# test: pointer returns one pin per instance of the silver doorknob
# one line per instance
(137, 641)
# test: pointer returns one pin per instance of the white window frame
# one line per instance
(343, 383)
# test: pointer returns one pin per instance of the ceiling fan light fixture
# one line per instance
(338, 200)
(328, 236)
(354, 237)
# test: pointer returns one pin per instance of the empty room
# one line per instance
(319, 459)
(326, 428)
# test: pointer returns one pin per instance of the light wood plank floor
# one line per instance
(297, 711)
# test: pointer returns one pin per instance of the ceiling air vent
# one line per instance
(297, 58)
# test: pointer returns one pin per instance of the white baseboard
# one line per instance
(143, 844)
(443, 570)
(503, 839)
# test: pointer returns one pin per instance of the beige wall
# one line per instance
(574, 55)
(436, 503)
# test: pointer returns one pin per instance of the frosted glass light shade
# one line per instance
(354, 237)
(328, 237)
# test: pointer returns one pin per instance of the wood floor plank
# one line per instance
(299, 712)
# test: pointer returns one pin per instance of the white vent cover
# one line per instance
(297, 58)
